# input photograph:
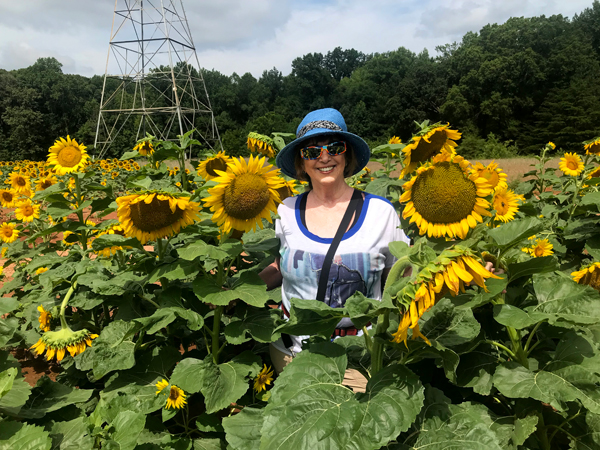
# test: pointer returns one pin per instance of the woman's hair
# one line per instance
(348, 170)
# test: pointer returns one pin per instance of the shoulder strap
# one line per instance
(352, 208)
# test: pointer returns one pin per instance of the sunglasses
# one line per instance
(315, 151)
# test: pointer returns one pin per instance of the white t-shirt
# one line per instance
(359, 261)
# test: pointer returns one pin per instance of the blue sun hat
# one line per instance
(327, 121)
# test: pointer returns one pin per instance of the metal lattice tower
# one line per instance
(153, 82)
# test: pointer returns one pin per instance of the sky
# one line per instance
(252, 35)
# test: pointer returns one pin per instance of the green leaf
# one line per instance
(399, 249)
(476, 368)
(208, 444)
(534, 265)
(593, 247)
(177, 270)
(572, 376)
(450, 326)
(71, 435)
(16, 397)
(257, 323)
(249, 288)
(592, 198)
(511, 316)
(112, 350)
(129, 155)
(310, 317)
(8, 305)
(28, 437)
(309, 407)
(381, 186)
(220, 384)
(128, 426)
(113, 240)
(513, 232)
(202, 250)
(469, 300)
(562, 300)
(243, 429)
(164, 316)
(48, 396)
(7, 379)
(7, 329)
(362, 310)
(523, 429)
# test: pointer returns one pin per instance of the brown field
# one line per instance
(514, 167)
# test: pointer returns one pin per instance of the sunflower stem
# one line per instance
(184, 181)
(526, 348)
(503, 347)
(383, 323)
(215, 334)
(63, 306)
(368, 340)
(520, 354)
(578, 185)
(83, 236)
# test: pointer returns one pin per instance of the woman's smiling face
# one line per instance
(326, 169)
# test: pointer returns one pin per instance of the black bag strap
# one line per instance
(352, 208)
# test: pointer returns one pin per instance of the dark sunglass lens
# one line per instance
(336, 148)
(311, 152)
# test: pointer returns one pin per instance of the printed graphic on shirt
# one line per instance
(349, 273)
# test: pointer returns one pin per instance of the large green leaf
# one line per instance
(12, 401)
(128, 426)
(511, 233)
(511, 316)
(543, 264)
(8, 304)
(175, 271)
(7, 329)
(48, 396)
(476, 368)
(71, 435)
(310, 317)
(7, 378)
(562, 300)
(571, 376)
(24, 437)
(249, 288)
(362, 310)
(112, 350)
(208, 444)
(310, 408)
(250, 322)
(202, 250)
(243, 429)
(164, 316)
(220, 384)
(590, 438)
(449, 325)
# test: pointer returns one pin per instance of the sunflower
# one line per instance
(8, 233)
(245, 195)
(444, 198)
(41, 270)
(264, 377)
(20, 183)
(176, 398)
(67, 156)
(7, 198)
(45, 183)
(571, 164)
(551, 145)
(594, 174)
(261, 144)
(144, 148)
(161, 385)
(45, 318)
(27, 211)
(541, 247)
(153, 215)
(57, 343)
(589, 275)
(287, 190)
(422, 148)
(506, 204)
(108, 251)
(592, 147)
(495, 177)
(206, 169)
(447, 273)
(395, 140)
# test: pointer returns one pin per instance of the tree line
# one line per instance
(511, 86)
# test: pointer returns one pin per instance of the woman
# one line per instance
(324, 154)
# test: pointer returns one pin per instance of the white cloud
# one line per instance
(255, 35)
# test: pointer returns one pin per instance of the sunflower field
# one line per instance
(142, 290)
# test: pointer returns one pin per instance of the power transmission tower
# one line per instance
(153, 82)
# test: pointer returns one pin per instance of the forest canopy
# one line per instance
(516, 85)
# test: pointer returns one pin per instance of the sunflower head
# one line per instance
(27, 211)
(593, 174)
(429, 142)
(287, 190)
(57, 343)
(153, 215)
(263, 378)
(144, 147)
(494, 176)
(592, 147)
(245, 195)
(551, 145)
(67, 156)
(8, 232)
(208, 168)
(395, 140)
(7, 198)
(589, 275)
(20, 183)
(444, 198)
(45, 317)
(45, 183)
(571, 164)
(506, 205)
(541, 247)
(176, 396)
(261, 144)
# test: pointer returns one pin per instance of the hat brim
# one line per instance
(285, 159)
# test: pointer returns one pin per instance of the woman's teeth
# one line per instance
(325, 169)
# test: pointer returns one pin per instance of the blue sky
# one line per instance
(256, 35)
